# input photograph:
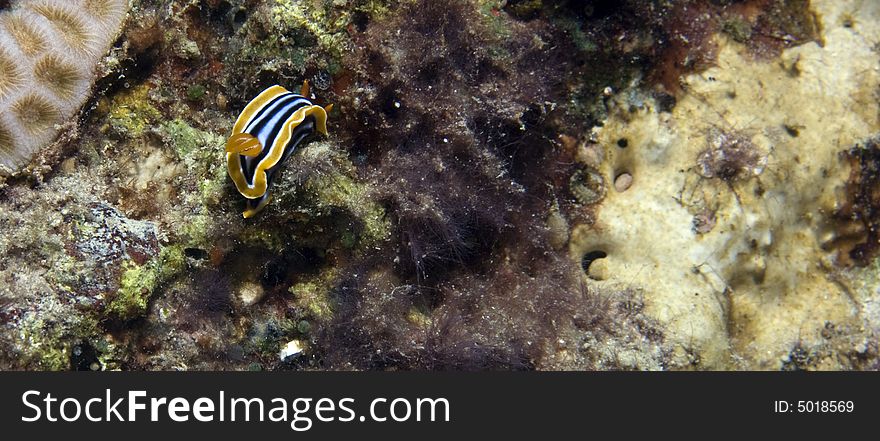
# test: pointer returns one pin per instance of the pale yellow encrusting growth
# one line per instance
(48, 53)
(738, 269)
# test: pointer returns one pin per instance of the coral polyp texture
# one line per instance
(48, 53)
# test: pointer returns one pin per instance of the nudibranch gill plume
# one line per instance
(266, 133)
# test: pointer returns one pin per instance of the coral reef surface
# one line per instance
(506, 184)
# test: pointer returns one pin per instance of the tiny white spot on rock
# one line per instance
(293, 347)
(250, 293)
(623, 182)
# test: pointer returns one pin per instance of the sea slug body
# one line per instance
(266, 133)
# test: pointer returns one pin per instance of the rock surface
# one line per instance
(540, 185)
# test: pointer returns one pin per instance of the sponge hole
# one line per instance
(595, 265)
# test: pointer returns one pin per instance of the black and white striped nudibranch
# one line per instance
(266, 133)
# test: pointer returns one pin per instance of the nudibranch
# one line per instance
(266, 133)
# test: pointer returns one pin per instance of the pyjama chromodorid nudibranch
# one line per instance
(266, 133)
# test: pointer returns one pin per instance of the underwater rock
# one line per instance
(520, 185)
(109, 237)
(65, 255)
(856, 215)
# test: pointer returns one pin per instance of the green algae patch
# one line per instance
(321, 188)
(185, 138)
(325, 25)
(48, 345)
(211, 189)
(267, 238)
(525, 9)
(313, 296)
(45, 351)
(340, 190)
(138, 283)
(419, 318)
(327, 22)
(130, 113)
(196, 92)
(580, 38)
(198, 230)
(738, 28)
(496, 22)
(202, 154)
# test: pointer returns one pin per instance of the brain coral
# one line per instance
(48, 53)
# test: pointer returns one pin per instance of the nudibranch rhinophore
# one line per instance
(266, 133)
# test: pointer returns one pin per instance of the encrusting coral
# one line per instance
(48, 53)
